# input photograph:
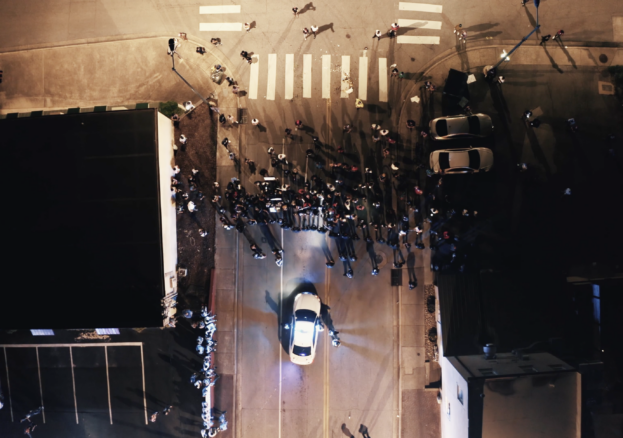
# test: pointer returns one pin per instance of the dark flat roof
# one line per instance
(84, 244)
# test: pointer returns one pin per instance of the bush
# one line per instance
(616, 71)
(169, 108)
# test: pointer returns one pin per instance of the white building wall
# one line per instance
(168, 214)
(456, 423)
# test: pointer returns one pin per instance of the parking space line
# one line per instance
(108, 382)
(8, 384)
(73, 382)
(40, 387)
(143, 371)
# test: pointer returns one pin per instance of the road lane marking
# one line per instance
(222, 9)
(419, 7)
(108, 382)
(407, 39)
(220, 27)
(8, 384)
(255, 75)
(40, 386)
(363, 78)
(307, 75)
(289, 91)
(345, 73)
(382, 79)
(272, 76)
(143, 371)
(99, 344)
(73, 382)
(419, 24)
(281, 319)
(326, 76)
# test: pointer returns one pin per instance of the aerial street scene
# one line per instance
(370, 219)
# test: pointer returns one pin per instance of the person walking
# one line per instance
(558, 35)
(544, 39)
(167, 410)
(216, 42)
(463, 36)
(255, 122)
(377, 35)
(296, 12)
(247, 27)
(183, 139)
(305, 33)
(457, 29)
(358, 103)
(154, 417)
(314, 29)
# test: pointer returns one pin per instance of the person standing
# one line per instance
(247, 27)
(154, 417)
(183, 139)
(358, 103)
(314, 29)
(296, 12)
(255, 122)
(305, 33)
(457, 29)
(544, 39)
(377, 35)
(463, 36)
(558, 35)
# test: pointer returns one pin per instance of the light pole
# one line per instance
(494, 68)
(172, 47)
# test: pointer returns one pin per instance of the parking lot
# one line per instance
(85, 385)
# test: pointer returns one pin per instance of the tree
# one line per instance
(169, 108)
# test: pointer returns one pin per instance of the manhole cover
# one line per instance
(381, 259)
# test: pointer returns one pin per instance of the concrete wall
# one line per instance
(455, 424)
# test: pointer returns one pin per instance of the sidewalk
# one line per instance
(87, 75)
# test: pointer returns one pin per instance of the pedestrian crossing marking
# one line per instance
(255, 73)
(382, 79)
(326, 76)
(408, 39)
(419, 24)
(289, 92)
(419, 7)
(272, 76)
(223, 9)
(363, 78)
(220, 27)
(345, 74)
(307, 72)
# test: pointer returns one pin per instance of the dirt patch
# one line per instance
(196, 253)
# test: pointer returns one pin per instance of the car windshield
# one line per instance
(442, 127)
(474, 125)
(305, 315)
(301, 351)
(444, 160)
(474, 159)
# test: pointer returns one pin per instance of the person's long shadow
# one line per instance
(411, 268)
(268, 235)
(551, 60)
(308, 7)
(326, 316)
(325, 27)
(346, 431)
(564, 49)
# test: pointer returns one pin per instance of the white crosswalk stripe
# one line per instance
(219, 10)
(270, 64)
(419, 22)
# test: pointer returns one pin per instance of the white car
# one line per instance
(304, 329)
(467, 160)
(447, 128)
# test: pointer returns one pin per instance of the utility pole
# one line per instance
(172, 52)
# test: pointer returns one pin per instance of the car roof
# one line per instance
(303, 334)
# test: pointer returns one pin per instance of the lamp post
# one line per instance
(507, 56)
(172, 47)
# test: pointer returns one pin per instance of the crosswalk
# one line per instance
(220, 10)
(283, 76)
(421, 21)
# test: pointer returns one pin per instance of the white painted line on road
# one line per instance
(73, 382)
(223, 9)
(419, 24)
(143, 371)
(272, 76)
(108, 381)
(382, 79)
(281, 319)
(406, 39)
(289, 92)
(8, 384)
(363, 78)
(99, 344)
(220, 27)
(326, 76)
(40, 386)
(419, 7)
(345, 73)
(307, 75)
(255, 77)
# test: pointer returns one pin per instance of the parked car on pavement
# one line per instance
(465, 160)
(447, 128)
(304, 328)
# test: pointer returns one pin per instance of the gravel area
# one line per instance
(429, 321)
(196, 253)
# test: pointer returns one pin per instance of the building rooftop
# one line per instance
(84, 248)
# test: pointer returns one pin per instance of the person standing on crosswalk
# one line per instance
(305, 33)
(314, 29)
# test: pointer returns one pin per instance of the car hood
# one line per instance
(307, 301)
